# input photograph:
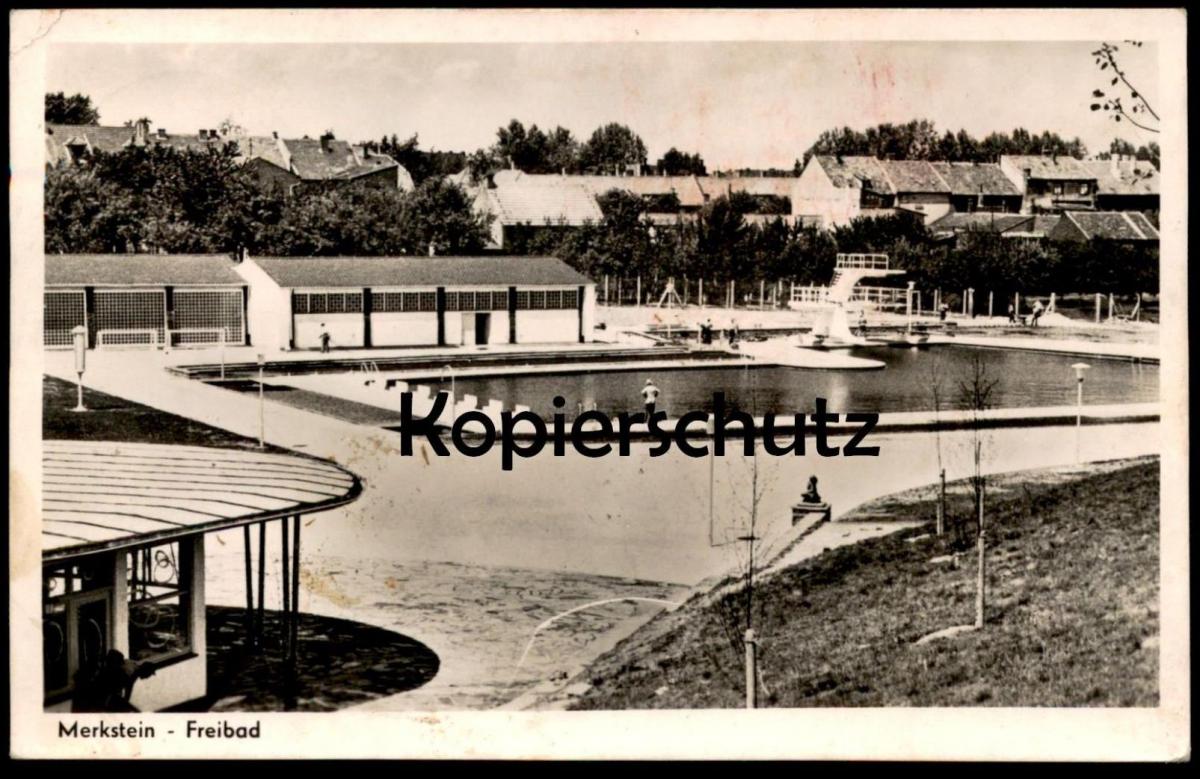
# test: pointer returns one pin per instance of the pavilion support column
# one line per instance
(262, 575)
(249, 618)
(285, 589)
(294, 621)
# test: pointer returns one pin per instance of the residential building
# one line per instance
(290, 164)
(1027, 227)
(1051, 184)
(1130, 227)
(979, 186)
(1125, 184)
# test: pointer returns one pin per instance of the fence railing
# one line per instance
(866, 261)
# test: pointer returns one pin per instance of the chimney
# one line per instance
(203, 134)
(213, 134)
(325, 139)
(162, 132)
(275, 134)
(141, 132)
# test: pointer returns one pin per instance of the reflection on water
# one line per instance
(1024, 379)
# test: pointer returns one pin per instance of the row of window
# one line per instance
(391, 302)
(327, 303)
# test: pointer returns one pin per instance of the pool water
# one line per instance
(1022, 379)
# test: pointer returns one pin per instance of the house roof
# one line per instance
(774, 186)
(914, 176)
(98, 137)
(853, 172)
(1047, 167)
(262, 147)
(686, 188)
(1113, 225)
(970, 178)
(1123, 177)
(140, 270)
(1007, 224)
(522, 198)
(291, 272)
(101, 495)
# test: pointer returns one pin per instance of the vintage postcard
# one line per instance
(599, 384)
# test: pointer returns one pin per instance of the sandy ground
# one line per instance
(478, 620)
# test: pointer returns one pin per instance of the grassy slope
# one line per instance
(1072, 616)
(111, 418)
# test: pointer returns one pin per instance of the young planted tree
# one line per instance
(975, 396)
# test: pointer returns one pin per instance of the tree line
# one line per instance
(721, 244)
(161, 199)
(920, 140)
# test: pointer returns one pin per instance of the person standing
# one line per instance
(650, 398)
(1037, 313)
(1012, 314)
(324, 341)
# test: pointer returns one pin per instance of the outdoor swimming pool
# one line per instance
(1023, 379)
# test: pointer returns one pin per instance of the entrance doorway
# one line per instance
(476, 327)
(483, 328)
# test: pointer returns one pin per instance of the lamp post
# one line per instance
(1079, 368)
(262, 423)
(79, 340)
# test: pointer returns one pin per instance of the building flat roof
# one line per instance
(412, 271)
(102, 495)
(127, 270)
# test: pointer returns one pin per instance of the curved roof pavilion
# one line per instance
(100, 496)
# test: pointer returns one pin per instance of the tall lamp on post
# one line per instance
(79, 340)
(1079, 369)
(262, 423)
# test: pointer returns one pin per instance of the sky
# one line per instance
(748, 104)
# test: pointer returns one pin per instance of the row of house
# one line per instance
(832, 191)
(837, 189)
(286, 163)
(521, 202)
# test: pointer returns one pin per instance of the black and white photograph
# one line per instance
(599, 384)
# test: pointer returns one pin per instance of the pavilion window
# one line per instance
(570, 298)
(522, 300)
(453, 301)
(300, 303)
(76, 620)
(553, 299)
(537, 300)
(427, 301)
(159, 602)
(317, 304)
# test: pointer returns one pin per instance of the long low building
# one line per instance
(364, 302)
(143, 300)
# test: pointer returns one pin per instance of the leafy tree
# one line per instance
(613, 146)
(76, 109)
(677, 163)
